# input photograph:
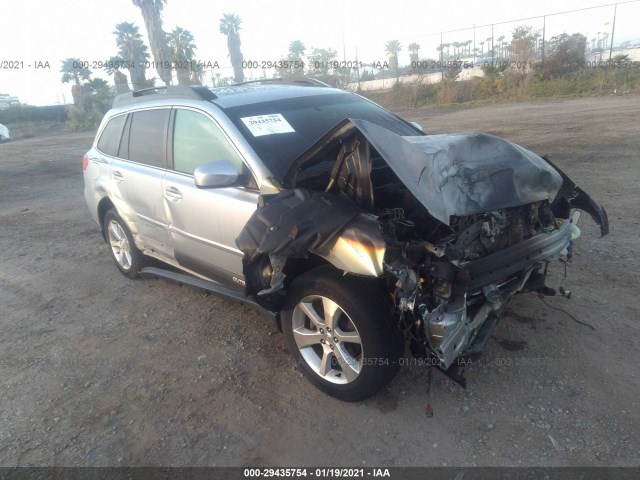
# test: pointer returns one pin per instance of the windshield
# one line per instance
(286, 128)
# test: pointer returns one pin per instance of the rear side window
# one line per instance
(147, 142)
(110, 138)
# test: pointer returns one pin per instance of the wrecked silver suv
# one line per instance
(357, 231)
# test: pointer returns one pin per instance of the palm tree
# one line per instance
(296, 49)
(392, 48)
(230, 26)
(414, 48)
(537, 37)
(482, 48)
(468, 44)
(133, 51)
(119, 78)
(294, 63)
(152, 14)
(73, 71)
(182, 53)
(501, 44)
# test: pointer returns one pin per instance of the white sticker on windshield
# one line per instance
(267, 124)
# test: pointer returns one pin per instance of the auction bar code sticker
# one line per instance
(267, 124)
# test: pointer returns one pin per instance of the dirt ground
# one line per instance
(101, 370)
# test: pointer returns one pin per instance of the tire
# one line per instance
(124, 252)
(349, 354)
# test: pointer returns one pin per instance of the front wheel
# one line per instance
(123, 249)
(340, 331)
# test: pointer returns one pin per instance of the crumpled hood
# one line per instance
(455, 174)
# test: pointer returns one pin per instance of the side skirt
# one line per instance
(208, 285)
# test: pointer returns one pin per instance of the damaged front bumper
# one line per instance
(480, 290)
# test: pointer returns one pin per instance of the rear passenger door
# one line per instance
(204, 223)
(136, 177)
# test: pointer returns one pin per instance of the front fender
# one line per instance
(358, 249)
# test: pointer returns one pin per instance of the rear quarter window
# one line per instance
(110, 138)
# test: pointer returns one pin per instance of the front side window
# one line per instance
(197, 140)
(147, 137)
(110, 138)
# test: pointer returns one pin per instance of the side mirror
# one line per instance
(417, 125)
(216, 175)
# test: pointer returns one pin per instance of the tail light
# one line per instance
(85, 162)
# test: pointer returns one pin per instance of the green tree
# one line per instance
(72, 70)
(133, 51)
(182, 48)
(566, 54)
(523, 43)
(91, 97)
(293, 64)
(119, 78)
(99, 96)
(414, 48)
(230, 26)
(621, 59)
(152, 14)
(392, 49)
(320, 63)
(296, 50)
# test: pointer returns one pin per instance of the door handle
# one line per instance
(172, 194)
(117, 176)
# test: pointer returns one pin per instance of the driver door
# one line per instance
(204, 223)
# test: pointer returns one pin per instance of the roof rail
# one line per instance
(289, 81)
(147, 91)
(195, 92)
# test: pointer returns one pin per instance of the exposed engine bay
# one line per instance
(452, 225)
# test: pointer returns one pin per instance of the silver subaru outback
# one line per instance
(359, 233)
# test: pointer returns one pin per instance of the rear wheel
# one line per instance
(123, 249)
(340, 331)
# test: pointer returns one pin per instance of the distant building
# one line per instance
(7, 101)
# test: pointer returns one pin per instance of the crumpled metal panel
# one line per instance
(295, 222)
(456, 174)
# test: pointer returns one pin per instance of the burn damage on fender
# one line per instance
(452, 225)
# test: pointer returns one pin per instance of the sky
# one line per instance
(43, 33)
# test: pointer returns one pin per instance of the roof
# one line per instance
(225, 97)
(234, 96)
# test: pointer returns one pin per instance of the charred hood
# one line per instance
(450, 174)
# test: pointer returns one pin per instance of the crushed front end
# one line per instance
(452, 225)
